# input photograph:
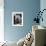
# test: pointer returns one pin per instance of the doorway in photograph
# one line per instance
(17, 18)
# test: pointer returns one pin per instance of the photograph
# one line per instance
(17, 18)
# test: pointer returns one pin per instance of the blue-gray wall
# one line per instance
(43, 6)
(29, 8)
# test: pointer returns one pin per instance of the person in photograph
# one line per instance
(17, 19)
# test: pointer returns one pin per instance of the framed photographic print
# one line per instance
(17, 18)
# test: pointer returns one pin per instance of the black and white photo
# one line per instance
(17, 18)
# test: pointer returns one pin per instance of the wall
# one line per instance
(43, 6)
(1, 20)
(29, 8)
